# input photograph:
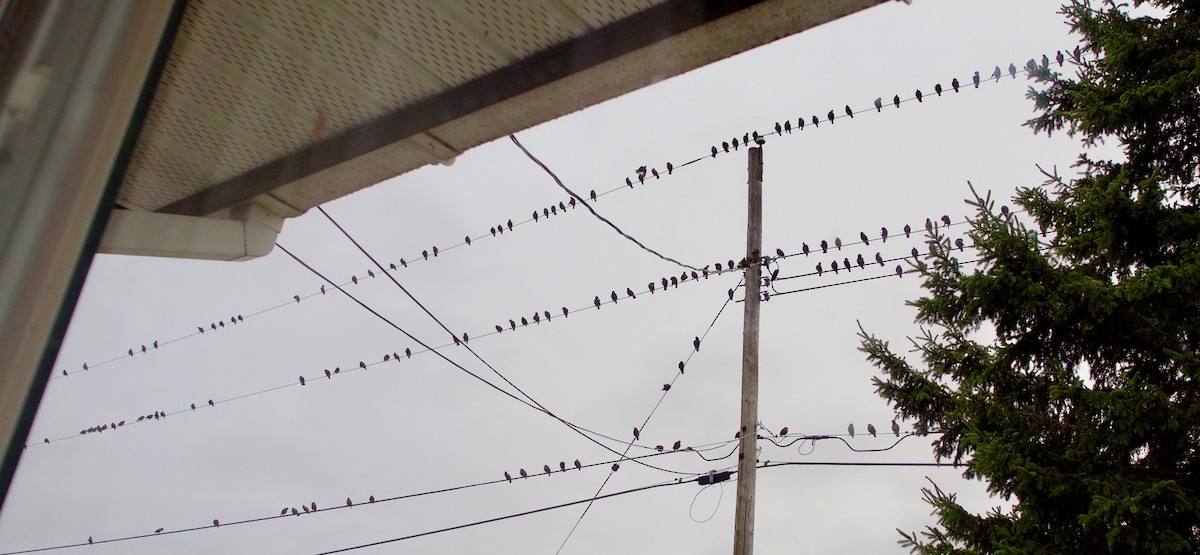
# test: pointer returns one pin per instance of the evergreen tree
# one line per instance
(1064, 369)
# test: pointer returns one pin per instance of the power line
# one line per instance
(666, 389)
(641, 177)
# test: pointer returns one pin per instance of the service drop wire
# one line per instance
(683, 364)
(574, 427)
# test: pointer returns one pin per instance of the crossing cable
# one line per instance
(593, 210)
(666, 390)
(533, 406)
(538, 405)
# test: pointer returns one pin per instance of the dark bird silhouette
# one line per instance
(954, 84)
(907, 231)
(523, 473)
(90, 538)
(301, 380)
(637, 434)
(535, 215)
(959, 243)
(537, 319)
(879, 104)
(1012, 70)
(725, 145)
(1031, 65)
(565, 312)
(578, 466)
(666, 387)
(800, 122)
(546, 468)
(862, 236)
(314, 506)
(675, 281)
(861, 263)
(915, 253)
(402, 263)
(787, 127)
(1004, 211)
(830, 115)
(629, 292)
(131, 350)
(879, 259)
(546, 313)
(779, 253)
(849, 112)
(1077, 54)
(778, 129)
(681, 365)
(353, 279)
(425, 255)
(670, 168)
(938, 89)
(641, 173)
(735, 143)
(499, 329)
(883, 234)
(467, 239)
(546, 212)
(677, 445)
(658, 448)
(493, 230)
(629, 182)
(819, 270)
(714, 151)
(562, 466)
(210, 403)
(919, 95)
(846, 264)
(613, 296)
(816, 122)
(651, 286)
(616, 467)
(695, 275)
(895, 426)
(328, 376)
(996, 74)
(216, 522)
(896, 101)
(322, 292)
(371, 499)
(592, 194)
(850, 430)
(305, 508)
(1045, 61)
(295, 512)
(783, 432)
(975, 79)
(731, 294)
(899, 271)
(408, 352)
(837, 242)
(945, 219)
(465, 339)
(362, 365)
(1059, 58)
(696, 343)
(871, 430)
(350, 503)
(928, 224)
(143, 348)
(596, 302)
(524, 322)
(511, 324)
(804, 248)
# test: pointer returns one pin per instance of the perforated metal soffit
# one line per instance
(250, 82)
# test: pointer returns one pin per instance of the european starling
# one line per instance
(783, 432)
(899, 271)
(954, 84)
(804, 248)
(328, 376)
(681, 367)
(616, 467)
(959, 243)
(837, 242)
(787, 127)
(675, 281)
(565, 312)
(596, 301)
(467, 239)
(1012, 70)
(1059, 57)
(350, 503)
(824, 246)
(523, 473)
(578, 466)
(499, 329)
(322, 292)
(408, 352)
(677, 445)
(535, 215)
(879, 259)
(670, 168)
(666, 387)
(997, 73)
(562, 466)
(524, 322)
(862, 236)
(371, 499)
(778, 129)
(819, 270)
(850, 430)
(210, 403)
(537, 319)
(425, 255)
(846, 264)
(938, 89)
(879, 104)
(216, 522)
(907, 231)
(714, 152)
(511, 324)
(816, 122)
(301, 380)
(896, 101)
(510, 224)
(800, 122)
(919, 96)
(861, 263)
(629, 182)
(546, 313)
(637, 434)
(613, 296)
(1045, 61)
(696, 344)
(493, 230)
(362, 365)
(945, 219)
(592, 195)
(871, 430)
(352, 278)
(629, 292)
(895, 426)
(849, 112)
(975, 79)
(830, 115)
(546, 468)
(651, 286)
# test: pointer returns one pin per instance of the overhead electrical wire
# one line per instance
(510, 225)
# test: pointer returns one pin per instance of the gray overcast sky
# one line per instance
(420, 424)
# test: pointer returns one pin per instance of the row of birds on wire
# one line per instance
(561, 207)
(663, 284)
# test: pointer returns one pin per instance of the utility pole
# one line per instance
(743, 520)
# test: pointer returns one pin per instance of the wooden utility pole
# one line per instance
(743, 520)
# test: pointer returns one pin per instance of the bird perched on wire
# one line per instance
(523, 473)
(945, 219)
(879, 104)
(871, 430)
(959, 243)
(681, 365)
(537, 319)
(863, 237)
(666, 387)
(670, 168)
(996, 74)
(975, 79)
(837, 242)
(817, 122)
(524, 322)
(596, 301)
(849, 112)
(714, 153)
(850, 430)
(637, 434)
(1012, 70)
(938, 89)
(629, 182)
(546, 469)
(513, 325)
(895, 428)
(613, 296)
(578, 465)
(830, 115)
(804, 248)
(899, 271)
(629, 292)
(592, 195)
(954, 84)
(834, 265)
(783, 432)
(696, 343)
(1059, 58)
(301, 380)
(919, 95)
(819, 270)
(879, 259)
(861, 263)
